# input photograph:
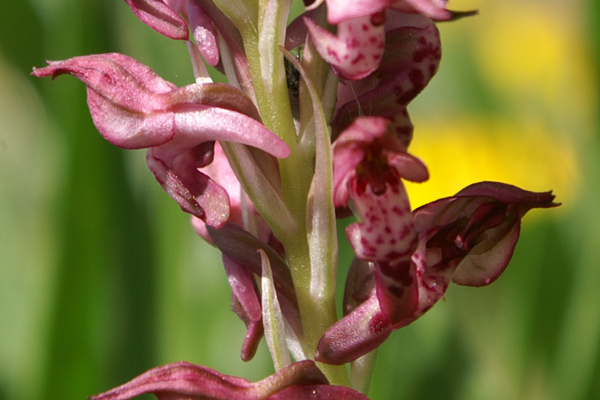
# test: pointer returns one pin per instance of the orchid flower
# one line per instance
(265, 162)
(468, 239)
(359, 45)
(132, 107)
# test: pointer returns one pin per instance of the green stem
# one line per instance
(262, 41)
(362, 372)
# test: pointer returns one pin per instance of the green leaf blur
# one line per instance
(102, 276)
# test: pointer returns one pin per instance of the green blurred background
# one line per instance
(102, 277)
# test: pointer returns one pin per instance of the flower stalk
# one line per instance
(312, 125)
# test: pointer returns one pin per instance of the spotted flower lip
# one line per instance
(370, 162)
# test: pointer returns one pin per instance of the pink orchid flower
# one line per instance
(133, 107)
(468, 239)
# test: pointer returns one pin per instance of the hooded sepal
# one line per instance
(486, 219)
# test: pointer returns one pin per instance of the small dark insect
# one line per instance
(293, 75)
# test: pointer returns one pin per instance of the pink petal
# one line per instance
(122, 95)
(356, 50)
(195, 193)
(410, 60)
(204, 32)
(434, 9)
(487, 219)
(355, 335)
(349, 150)
(182, 380)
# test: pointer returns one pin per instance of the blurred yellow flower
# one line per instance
(534, 63)
(533, 56)
(462, 152)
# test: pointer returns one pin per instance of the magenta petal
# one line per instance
(349, 149)
(160, 17)
(356, 50)
(133, 107)
(195, 192)
(243, 287)
(509, 194)
(177, 381)
(242, 247)
(246, 304)
(122, 95)
(343, 10)
(358, 333)
(411, 58)
(185, 381)
(489, 258)
(434, 9)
